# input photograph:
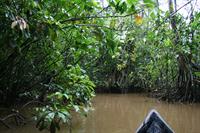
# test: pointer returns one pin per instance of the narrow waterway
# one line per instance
(115, 113)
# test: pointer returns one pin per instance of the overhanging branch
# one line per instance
(96, 17)
(172, 14)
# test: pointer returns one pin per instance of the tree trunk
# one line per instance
(185, 77)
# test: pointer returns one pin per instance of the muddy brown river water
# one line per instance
(123, 113)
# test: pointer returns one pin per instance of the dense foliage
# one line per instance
(41, 53)
(57, 51)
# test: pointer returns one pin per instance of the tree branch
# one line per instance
(173, 13)
(93, 17)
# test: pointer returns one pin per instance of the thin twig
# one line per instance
(172, 14)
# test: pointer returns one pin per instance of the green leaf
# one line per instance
(41, 119)
(62, 116)
(53, 34)
(197, 74)
(76, 108)
(149, 3)
(132, 2)
(132, 9)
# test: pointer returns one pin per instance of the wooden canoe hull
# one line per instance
(154, 123)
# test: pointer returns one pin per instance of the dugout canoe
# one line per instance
(154, 123)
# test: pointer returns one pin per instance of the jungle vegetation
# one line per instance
(57, 52)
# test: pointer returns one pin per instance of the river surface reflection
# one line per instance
(123, 113)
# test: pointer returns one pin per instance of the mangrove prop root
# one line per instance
(4, 123)
(19, 118)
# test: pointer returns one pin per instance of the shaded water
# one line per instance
(115, 113)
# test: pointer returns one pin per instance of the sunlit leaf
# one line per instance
(138, 19)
